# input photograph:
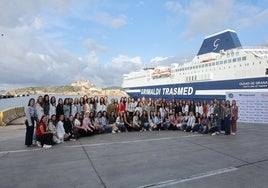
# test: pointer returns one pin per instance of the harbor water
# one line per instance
(23, 101)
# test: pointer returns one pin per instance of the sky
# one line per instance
(57, 42)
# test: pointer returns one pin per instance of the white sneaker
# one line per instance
(213, 134)
(38, 144)
(61, 140)
(72, 139)
(47, 146)
(232, 133)
(113, 132)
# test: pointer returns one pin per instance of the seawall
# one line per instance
(10, 114)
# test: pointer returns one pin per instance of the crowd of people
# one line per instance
(50, 121)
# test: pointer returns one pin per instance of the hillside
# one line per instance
(77, 88)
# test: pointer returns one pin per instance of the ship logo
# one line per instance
(216, 44)
(230, 95)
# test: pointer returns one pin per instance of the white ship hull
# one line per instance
(221, 66)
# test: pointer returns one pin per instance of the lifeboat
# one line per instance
(161, 73)
(207, 60)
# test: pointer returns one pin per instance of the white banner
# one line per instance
(252, 107)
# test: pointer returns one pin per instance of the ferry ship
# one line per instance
(221, 65)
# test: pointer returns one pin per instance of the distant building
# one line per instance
(85, 84)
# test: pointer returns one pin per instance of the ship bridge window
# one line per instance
(232, 54)
(239, 59)
(213, 64)
(229, 60)
(234, 59)
(199, 66)
(206, 65)
(222, 62)
(209, 64)
(203, 66)
(244, 58)
(237, 53)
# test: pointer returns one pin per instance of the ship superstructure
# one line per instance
(220, 66)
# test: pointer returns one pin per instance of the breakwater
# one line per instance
(10, 114)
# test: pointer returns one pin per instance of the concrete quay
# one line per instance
(137, 159)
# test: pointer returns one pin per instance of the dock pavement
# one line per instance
(137, 159)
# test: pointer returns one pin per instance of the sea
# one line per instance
(23, 101)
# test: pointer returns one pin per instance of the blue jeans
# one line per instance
(183, 126)
(203, 129)
(121, 127)
(107, 128)
(145, 126)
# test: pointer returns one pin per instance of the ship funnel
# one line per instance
(217, 42)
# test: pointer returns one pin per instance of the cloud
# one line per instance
(118, 66)
(33, 55)
(174, 6)
(252, 17)
(114, 22)
(206, 16)
(123, 60)
(158, 59)
(13, 13)
(91, 45)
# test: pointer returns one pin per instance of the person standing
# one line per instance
(39, 110)
(234, 117)
(222, 107)
(227, 118)
(66, 108)
(121, 105)
(29, 122)
(59, 108)
(217, 115)
(46, 105)
(52, 106)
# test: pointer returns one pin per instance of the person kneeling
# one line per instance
(63, 136)
(42, 136)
